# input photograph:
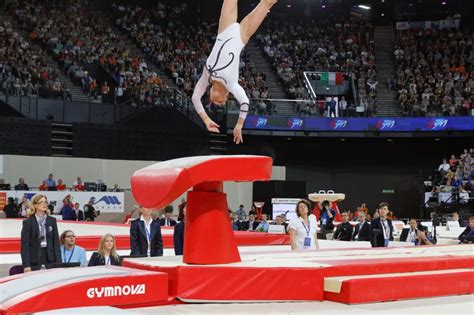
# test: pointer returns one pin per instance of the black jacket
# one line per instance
(178, 238)
(97, 260)
(138, 238)
(31, 242)
(404, 235)
(11, 211)
(246, 225)
(464, 238)
(90, 213)
(22, 187)
(376, 233)
(364, 233)
(343, 232)
(80, 215)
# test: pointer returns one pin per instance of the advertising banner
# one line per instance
(360, 124)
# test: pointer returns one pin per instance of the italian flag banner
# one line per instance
(332, 78)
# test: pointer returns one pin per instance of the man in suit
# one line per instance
(362, 230)
(467, 236)
(249, 225)
(381, 228)
(168, 220)
(145, 236)
(344, 230)
(39, 237)
(77, 214)
(409, 235)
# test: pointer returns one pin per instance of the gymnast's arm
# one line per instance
(199, 91)
(240, 95)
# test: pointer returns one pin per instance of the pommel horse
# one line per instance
(208, 236)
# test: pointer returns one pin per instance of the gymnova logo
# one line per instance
(116, 291)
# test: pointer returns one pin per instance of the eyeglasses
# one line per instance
(42, 203)
(70, 236)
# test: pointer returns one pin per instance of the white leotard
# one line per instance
(223, 65)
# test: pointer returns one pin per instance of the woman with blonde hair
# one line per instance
(106, 254)
(39, 237)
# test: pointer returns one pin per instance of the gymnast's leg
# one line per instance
(252, 21)
(228, 14)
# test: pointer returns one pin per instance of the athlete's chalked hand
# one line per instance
(212, 126)
(238, 135)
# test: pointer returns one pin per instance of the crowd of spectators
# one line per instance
(434, 72)
(328, 45)
(433, 67)
(80, 42)
(455, 174)
(23, 71)
(50, 184)
(179, 43)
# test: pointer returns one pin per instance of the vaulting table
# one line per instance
(208, 237)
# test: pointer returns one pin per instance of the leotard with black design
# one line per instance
(223, 65)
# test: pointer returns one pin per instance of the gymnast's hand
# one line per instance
(212, 126)
(238, 134)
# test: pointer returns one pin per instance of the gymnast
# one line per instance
(221, 70)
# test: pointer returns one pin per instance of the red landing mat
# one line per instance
(398, 286)
(353, 267)
(227, 283)
(75, 287)
(298, 276)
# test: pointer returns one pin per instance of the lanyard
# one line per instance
(148, 233)
(385, 229)
(306, 228)
(64, 254)
(360, 228)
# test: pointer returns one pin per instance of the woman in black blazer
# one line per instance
(107, 254)
(39, 237)
(178, 234)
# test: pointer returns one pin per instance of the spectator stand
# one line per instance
(433, 72)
